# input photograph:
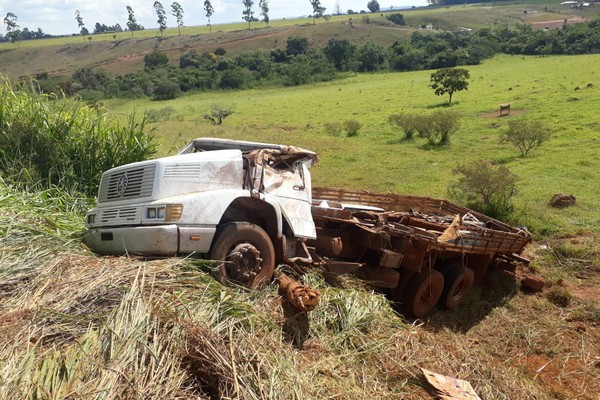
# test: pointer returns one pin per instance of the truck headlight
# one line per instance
(173, 212)
(91, 219)
(151, 213)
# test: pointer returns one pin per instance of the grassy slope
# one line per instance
(73, 325)
(378, 160)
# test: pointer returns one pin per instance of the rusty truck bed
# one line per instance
(392, 232)
(426, 219)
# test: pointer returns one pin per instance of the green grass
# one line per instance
(537, 87)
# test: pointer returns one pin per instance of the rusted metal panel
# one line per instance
(380, 277)
(342, 267)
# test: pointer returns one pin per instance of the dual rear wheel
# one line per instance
(427, 288)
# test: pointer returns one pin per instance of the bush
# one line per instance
(155, 59)
(351, 126)
(438, 127)
(333, 128)
(162, 114)
(166, 89)
(559, 296)
(48, 143)
(406, 122)
(218, 113)
(525, 135)
(485, 187)
(396, 18)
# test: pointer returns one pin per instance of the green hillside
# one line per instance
(121, 53)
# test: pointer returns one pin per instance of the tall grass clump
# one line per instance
(36, 224)
(49, 140)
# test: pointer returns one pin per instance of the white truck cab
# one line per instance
(247, 204)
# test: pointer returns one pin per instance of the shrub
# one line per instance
(162, 114)
(166, 89)
(155, 59)
(333, 128)
(351, 126)
(525, 135)
(438, 127)
(559, 296)
(484, 187)
(218, 113)
(406, 122)
(396, 18)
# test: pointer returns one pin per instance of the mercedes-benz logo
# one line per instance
(122, 184)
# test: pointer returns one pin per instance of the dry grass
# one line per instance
(73, 325)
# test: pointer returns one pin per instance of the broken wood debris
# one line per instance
(301, 297)
(448, 388)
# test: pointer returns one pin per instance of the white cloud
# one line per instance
(58, 16)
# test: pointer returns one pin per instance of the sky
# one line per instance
(57, 17)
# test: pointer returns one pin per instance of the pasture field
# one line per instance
(563, 92)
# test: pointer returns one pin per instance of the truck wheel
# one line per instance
(423, 292)
(458, 281)
(246, 255)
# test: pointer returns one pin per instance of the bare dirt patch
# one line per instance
(554, 24)
(496, 113)
(587, 292)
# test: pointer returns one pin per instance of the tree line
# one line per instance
(15, 34)
(299, 63)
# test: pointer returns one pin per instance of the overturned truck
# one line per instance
(251, 206)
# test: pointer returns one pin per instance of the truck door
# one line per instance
(290, 184)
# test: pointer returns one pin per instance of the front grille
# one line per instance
(182, 172)
(126, 184)
(120, 216)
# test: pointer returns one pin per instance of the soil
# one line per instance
(559, 22)
(496, 113)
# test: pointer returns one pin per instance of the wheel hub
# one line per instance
(243, 263)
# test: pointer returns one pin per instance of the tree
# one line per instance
(340, 53)
(484, 187)
(318, 10)
(337, 10)
(264, 11)
(132, 24)
(162, 17)
(155, 59)
(373, 6)
(177, 12)
(13, 33)
(372, 57)
(82, 30)
(525, 135)
(208, 8)
(296, 45)
(449, 80)
(248, 14)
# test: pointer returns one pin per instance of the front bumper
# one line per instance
(156, 240)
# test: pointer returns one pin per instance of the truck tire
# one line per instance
(458, 281)
(246, 255)
(423, 292)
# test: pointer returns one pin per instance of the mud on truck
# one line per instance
(251, 206)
